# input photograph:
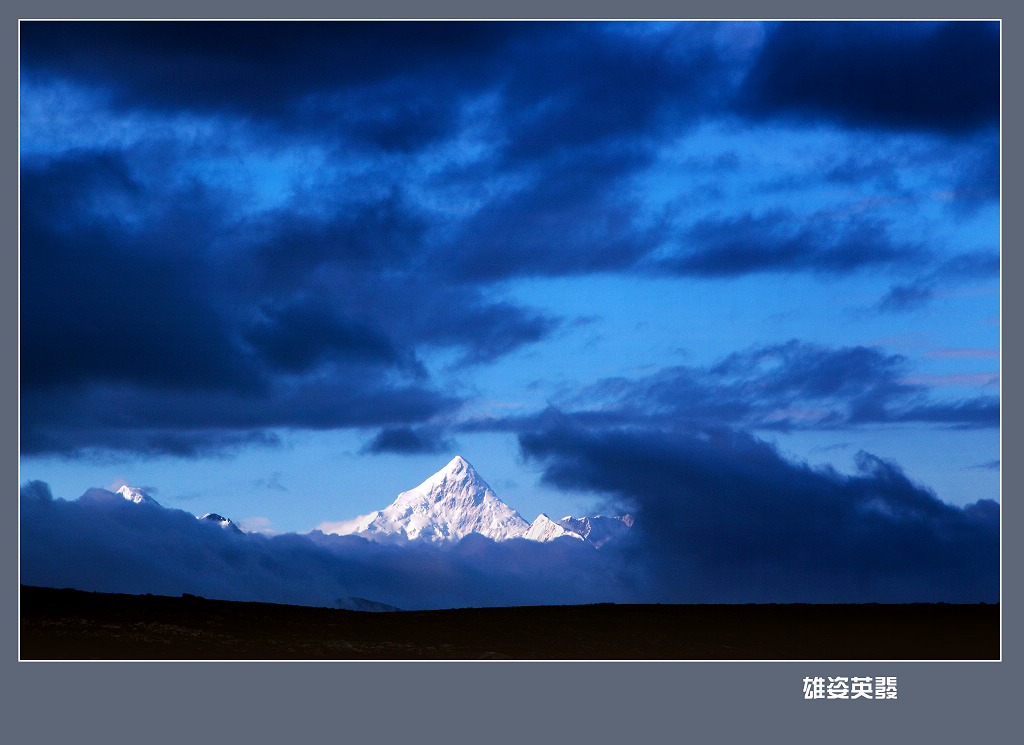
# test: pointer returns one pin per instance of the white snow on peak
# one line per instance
(449, 505)
(455, 502)
(546, 529)
(598, 529)
(224, 522)
(458, 469)
(133, 494)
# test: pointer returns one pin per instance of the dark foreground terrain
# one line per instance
(69, 624)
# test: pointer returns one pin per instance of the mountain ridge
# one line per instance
(455, 502)
(451, 504)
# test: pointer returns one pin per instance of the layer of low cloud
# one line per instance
(103, 543)
(720, 517)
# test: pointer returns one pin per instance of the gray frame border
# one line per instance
(169, 702)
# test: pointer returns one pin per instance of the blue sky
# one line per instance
(284, 271)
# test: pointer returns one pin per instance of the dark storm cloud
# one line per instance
(586, 111)
(394, 85)
(138, 333)
(788, 386)
(781, 242)
(150, 291)
(495, 328)
(161, 306)
(297, 337)
(397, 290)
(275, 72)
(576, 217)
(138, 327)
(811, 371)
(93, 442)
(103, 298)
(104, 543)
(293, 246)
(724, 518)
(908, 76)
(581, 85)
(409, 441)
(86, 420)
(572, 111)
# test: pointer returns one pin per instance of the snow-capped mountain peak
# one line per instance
(455, 502)
(544, 528)
(452, 503)
(598, 529)
(457, 474)
(133, 494)
(213, 517)
(458, 481)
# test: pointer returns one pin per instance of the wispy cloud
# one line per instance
(965, 353)
(795, 385)
(972, 380)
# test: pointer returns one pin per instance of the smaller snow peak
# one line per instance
(133, 494)
(545, 529)
(224, 522)
(596, 530)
